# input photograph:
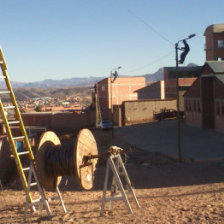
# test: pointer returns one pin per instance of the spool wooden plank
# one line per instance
(85, 146)
(49, 182)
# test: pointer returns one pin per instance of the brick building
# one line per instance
(204, 101)
(186, 77)
(122, 89)
(152, 91)
(214, 42)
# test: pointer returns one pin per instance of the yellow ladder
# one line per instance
(27, 151)
(98, 109)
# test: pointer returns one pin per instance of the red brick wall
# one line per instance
(103, 93)
(206, 69)
(37, 119)
(66, 122)
(218, 52)
(219, 115)
(219, 89)
(192, 111)
(219, 105)
(192, 97)
(170, 87)
(194, 91)
(211, 42)
(192, 104)
(61, 122)
(208, 47)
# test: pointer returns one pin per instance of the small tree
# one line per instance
(38, 108)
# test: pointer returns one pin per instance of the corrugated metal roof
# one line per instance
(216, 66)
(183, 69)
(220, 77)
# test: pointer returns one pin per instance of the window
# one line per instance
(103, 88)
(220, 43)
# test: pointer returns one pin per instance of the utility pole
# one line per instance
(185, 50)
(113, 77)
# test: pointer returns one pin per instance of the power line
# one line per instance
(150, 63)
(144, 22)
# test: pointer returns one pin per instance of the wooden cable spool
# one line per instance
(54, 159)
(7, 165)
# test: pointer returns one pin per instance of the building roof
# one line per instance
(214, 28)
(123, 78)
(184, 69)
(184, 72)
(216, 66)
(220, 77)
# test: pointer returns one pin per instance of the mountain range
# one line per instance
(85, 81)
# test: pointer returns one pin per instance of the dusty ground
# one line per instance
(168, 192)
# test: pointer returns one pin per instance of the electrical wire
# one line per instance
(150, 63)
(144, 22)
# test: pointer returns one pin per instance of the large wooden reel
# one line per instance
(85, 146)
(84, 170)
(49, 182)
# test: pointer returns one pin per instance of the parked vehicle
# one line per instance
(164, 114)
(105, 125)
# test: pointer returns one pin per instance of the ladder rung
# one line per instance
(4, 92)
(26, 169)
(36, 200)
(9, 107)
(13, 122)
(33, 184)
(18, 138)
(23, 153)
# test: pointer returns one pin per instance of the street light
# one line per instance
(185, 50)
(113, 76)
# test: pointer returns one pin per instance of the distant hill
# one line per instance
(65, 87)
(157, 76)
(85, 81)
(50, 83)
(83, 93)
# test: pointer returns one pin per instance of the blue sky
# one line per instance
(57, 39)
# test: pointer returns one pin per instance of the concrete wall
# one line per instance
(142, 111)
